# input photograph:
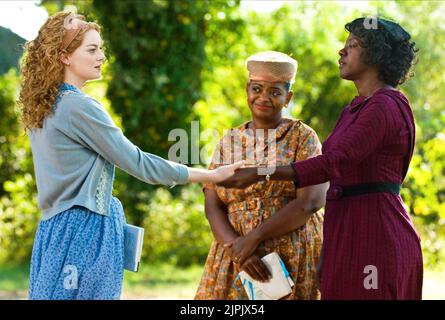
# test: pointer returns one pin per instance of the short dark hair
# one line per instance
(388, 47)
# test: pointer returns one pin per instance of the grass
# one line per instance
(14, 281)
(164, 281)
(156, 281)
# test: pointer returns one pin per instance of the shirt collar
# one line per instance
(281, 129)
(359, 101)
(68, 87)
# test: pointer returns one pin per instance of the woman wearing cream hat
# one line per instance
(235, 212)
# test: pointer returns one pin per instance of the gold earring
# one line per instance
(285, 105)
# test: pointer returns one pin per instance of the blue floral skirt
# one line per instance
(78, 254)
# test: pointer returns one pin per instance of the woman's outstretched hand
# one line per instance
(225, 172)
(242, 178)
(215, 175)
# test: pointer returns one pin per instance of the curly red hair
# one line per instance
(42, 70)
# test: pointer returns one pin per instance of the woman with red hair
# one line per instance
(78, 248)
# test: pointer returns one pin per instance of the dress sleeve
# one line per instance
(87, 122)
(360, 140)
(308, 143)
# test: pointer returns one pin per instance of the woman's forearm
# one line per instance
(213, 176)
(289, 218)
(216, 213)
(284, 173)
(220, 225)
(199, 175)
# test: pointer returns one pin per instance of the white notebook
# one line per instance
(279, 286)
(133, 238)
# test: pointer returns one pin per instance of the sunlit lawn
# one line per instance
(161, 281)
(164, 281)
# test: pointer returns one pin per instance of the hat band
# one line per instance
(271, 78)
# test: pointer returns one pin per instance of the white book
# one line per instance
(278, 286)
(133, 240)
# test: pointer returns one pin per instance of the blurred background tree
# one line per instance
(159, 54)
(11, 49)
(18, 202)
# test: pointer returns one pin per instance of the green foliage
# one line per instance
(8, 127)
(10, 50)
(18, 207)
(153, 77)
(176, 229)
(424, 188)
(425, 196)
(83, 7)
(158, 57)
(223, 103)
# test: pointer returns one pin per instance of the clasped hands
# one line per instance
(242, 251)
(243, 177)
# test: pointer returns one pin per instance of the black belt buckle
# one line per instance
(334, 193)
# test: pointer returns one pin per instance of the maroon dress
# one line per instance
(371, 248)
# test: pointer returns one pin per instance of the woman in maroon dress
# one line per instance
(371, 249)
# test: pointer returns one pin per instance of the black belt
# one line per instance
(338, 192)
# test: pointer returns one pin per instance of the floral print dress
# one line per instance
(248, 208)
